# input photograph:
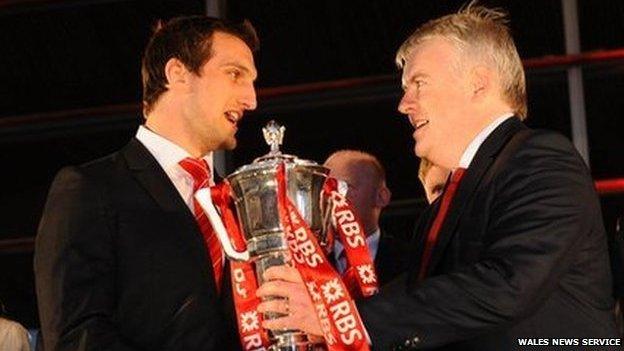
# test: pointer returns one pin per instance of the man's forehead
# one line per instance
(432, 51)
(412, 63)
(228, 49)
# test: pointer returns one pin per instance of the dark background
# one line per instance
(70, 92)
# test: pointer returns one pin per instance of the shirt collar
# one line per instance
(372, 241)
(167, 153)
(474, 145)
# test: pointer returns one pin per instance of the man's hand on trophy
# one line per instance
(285, 282)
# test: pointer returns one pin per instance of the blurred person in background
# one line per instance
(13, 336)
(433, 178)
(369, 195)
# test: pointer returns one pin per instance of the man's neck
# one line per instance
(166, 123)
(481, 119)
(475, 144)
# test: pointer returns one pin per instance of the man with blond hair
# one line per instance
(369, 195)
(514, 254)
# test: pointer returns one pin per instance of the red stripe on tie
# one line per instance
(198, 169)
(432, 236)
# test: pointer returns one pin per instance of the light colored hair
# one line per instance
(483, 33)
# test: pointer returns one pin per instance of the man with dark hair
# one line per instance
(513, 254)
(124, 259)
(189, 40)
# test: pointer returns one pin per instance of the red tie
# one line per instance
(200, 172)
(432, 237)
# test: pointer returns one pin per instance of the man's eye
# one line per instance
(234, 74)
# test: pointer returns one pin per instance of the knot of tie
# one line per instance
(198, 169)
(221, 193)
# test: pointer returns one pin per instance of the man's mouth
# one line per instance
(420, 123)
(233, 116)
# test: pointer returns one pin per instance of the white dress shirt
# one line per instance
(168, 155)
(474, 145)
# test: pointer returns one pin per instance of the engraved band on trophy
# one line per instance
(254, 192)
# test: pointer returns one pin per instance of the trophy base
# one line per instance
(296, 342)
(268, 250)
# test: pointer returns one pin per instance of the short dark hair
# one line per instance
(188, 39)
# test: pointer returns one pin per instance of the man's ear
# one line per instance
(176, 73)
(481, 79)
(383, 196)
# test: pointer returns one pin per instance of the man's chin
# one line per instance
(417, 151)
(229, 144)
(421, 152)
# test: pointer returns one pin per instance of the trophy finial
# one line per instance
(274, 135)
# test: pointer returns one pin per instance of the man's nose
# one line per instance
(406, 104)
(248, 98)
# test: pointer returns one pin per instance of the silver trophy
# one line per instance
(254, 188)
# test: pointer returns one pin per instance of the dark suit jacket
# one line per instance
(521, 254)
(120, 263)
(391, 259)
(616, 252)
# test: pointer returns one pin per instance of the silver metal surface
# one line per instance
(254, 192)
(274, 136)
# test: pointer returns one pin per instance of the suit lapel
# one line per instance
(419, 238)
(382, 257)
(155, 181)
(481, 162)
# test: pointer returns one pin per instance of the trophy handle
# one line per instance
(203, 196)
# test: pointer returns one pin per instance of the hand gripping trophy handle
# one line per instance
(203, 196)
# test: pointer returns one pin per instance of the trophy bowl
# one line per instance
(254, 191)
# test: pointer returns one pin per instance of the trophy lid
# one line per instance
(274, 135)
